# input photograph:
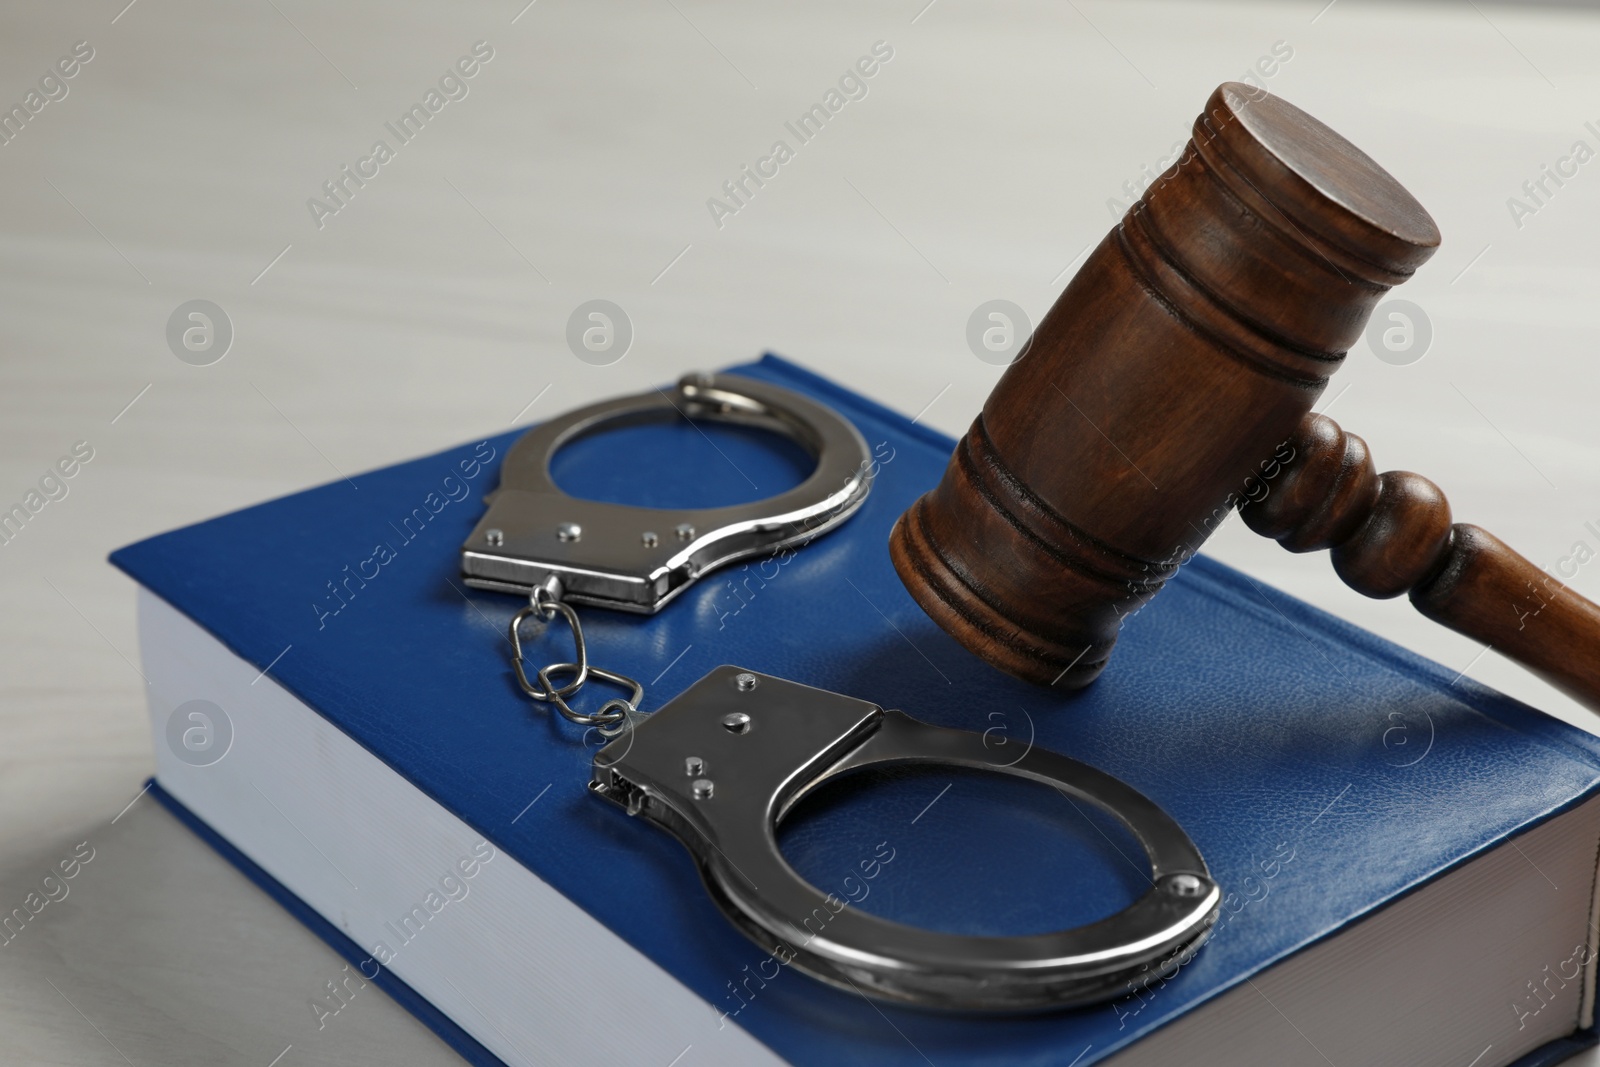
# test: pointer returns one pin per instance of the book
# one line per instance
(1408, 858)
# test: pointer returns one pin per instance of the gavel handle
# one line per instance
(1392, 533)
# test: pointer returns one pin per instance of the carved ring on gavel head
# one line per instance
(1177, 371)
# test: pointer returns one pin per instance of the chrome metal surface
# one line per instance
(611, 555)
(794, 738)
(544, 604)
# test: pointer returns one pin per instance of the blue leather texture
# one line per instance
(1322, 771)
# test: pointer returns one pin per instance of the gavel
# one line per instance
(1173, 381)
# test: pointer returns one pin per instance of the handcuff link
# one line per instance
(561, 550)
(544, 603)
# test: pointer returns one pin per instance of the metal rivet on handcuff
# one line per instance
(560, 550)
(740, 785)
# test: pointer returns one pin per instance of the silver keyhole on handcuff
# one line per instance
(614, 716)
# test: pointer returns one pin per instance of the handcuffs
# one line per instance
(721, 765)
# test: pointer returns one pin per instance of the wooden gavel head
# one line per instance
(1172, 382)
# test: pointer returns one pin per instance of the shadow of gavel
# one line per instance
(1173, 381)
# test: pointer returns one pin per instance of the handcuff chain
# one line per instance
(544, 604)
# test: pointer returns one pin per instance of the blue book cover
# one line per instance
(1324, 773)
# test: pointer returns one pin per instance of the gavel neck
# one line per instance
(1392, 533)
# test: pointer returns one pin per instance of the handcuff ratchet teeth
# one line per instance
(722, 764)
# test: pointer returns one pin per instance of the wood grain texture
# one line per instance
(1182, 355)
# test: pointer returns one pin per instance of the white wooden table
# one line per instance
(432, 307)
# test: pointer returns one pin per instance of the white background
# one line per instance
(432, 309)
